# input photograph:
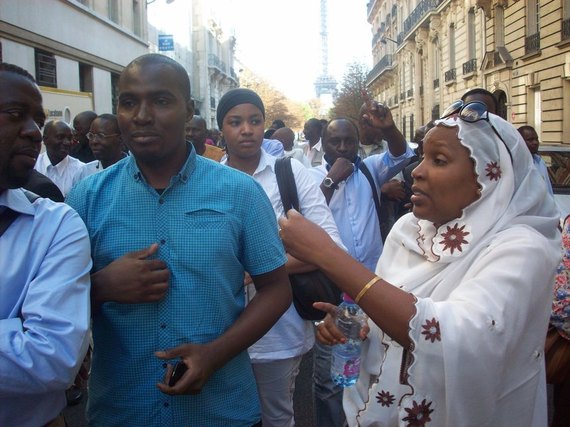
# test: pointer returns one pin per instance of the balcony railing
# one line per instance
(469, 66)
(419, 12)
(566, 29)
(436, 83)
(450, 75)
(532, 43)
(214, 61)
(380, 67)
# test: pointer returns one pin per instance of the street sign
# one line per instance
(165, 42)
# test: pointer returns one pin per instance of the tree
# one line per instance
(277, 106)
(350, 98)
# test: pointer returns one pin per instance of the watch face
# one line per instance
(329, 183)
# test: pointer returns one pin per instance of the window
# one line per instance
(537, 111)
(115, 91)
(85, 78)
(45, 69)
(436, 63)
(566, 20)
(137, 14)
(113, 9)
(471, 34)
(450, 73)
(532, 40)
(499, 26)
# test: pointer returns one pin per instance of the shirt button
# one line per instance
(161, 201)
(164, 365)
(166, 404)
(163, 326)
(162, 242)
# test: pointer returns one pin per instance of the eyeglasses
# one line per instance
(92, 136)
(473, 112)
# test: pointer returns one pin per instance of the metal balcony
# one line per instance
(532, 43)
(566, 29)
(450, 75)
(383, 65)
(470, 66)
(419, 13)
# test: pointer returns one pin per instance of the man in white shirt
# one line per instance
(106, 144)
(312, 131)
(531, 139)
(55, 162)
(287, 137)
(348, 191)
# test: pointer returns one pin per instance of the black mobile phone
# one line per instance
(177, 373)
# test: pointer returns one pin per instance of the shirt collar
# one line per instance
(265, 161)
(181, 176)
(17, 201)
(61, 166)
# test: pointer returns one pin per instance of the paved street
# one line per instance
(304, 417)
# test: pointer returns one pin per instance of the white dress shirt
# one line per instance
(315, 153)
(63, 174)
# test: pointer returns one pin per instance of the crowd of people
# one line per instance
(151, 255)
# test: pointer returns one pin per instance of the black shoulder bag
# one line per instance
(313, 286)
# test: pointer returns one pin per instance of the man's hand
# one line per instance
(341, 170)
(375, 115)
(131, 279)
(200, 360)
(394, 190)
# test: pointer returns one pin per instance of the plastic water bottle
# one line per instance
(345, 358)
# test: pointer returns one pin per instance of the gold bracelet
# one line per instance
(374, 280)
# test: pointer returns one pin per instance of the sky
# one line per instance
(281, 42)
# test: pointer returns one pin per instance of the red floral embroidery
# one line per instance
(431, 330)
(385, 398)
(419, 414)
(454, 237)
(493, 171)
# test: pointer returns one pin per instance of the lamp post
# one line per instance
(385, 40)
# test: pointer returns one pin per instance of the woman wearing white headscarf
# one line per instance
(460, 304)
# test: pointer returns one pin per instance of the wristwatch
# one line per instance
(329, 183)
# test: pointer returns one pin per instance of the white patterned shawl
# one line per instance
(483, 284)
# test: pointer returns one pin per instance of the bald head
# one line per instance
(286, 136)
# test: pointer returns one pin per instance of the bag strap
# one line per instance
(286, 184)
(8, 216)
(368, 176)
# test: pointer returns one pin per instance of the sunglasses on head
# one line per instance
(473, 112)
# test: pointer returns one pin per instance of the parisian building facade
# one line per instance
(76, 49)
(428, 53)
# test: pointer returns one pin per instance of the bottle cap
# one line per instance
(346, 298)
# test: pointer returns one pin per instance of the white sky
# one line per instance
(280, 40)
